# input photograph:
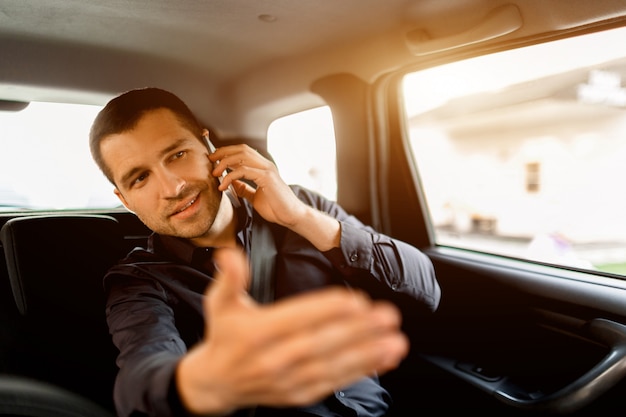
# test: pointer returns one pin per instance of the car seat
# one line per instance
(55, 267)
(21, 396)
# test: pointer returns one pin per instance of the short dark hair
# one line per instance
(124, 111)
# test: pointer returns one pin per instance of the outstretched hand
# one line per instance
(291, 353)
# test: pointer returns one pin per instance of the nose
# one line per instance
(172, 184)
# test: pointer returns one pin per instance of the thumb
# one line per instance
(231, 279)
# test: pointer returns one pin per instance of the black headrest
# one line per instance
(60, 260)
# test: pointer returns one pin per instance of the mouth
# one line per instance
(185, 207)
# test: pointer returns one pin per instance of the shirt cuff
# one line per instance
(354, 252)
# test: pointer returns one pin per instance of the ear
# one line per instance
(121, 198)
(206, 140)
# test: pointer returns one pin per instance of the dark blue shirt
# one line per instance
(155, 312)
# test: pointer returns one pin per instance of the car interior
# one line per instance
(489, 134)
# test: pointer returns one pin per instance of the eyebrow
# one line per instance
(133, 171)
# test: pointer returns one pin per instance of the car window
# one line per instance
(45, 163)
(522, 153)
(303, 148)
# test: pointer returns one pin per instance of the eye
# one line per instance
(139, 179)
(179, 155)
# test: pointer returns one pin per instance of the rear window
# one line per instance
(523, 153)
(304, 149)
(45, 163)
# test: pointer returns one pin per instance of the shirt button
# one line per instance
(341, 394)
(394, 286)
(354, 257)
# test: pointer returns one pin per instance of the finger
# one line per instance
(244, 190)
(262, 177)
(349, 365)
(234, 153)
(288, 319)
(231, 278)
(303, 312)
(305, 368)
(235, 158)
(221, 152)
(351, 333)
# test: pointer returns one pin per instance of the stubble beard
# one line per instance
(197, 227)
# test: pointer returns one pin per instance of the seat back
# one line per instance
(55, 266)
(24, 397)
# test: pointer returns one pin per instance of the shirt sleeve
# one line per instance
(399, 266)
(143, 328)
(365, 254)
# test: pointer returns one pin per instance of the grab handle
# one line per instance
(604, 375)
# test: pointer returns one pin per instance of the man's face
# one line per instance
(162, 174)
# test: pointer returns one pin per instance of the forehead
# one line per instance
(158, 118)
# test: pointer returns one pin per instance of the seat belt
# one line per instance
(262, 260)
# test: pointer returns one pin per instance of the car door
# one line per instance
(504, 167)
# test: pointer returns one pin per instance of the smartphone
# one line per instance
(230, 191)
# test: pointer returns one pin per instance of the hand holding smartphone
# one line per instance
(230, 191)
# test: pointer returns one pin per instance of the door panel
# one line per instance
(512, 339)
(507, 176)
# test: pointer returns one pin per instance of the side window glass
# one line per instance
(523, 154)
(303, 147)
(45, 163)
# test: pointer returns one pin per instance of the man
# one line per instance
(315, 351)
